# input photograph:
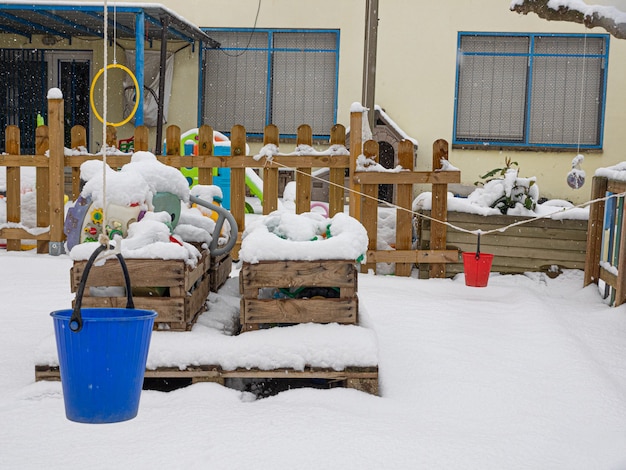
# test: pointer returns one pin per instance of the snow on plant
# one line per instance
(507, 190)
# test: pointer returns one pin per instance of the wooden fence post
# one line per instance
(13, 193)
(439, 210)
(303, 175)
(78, 138)
(172, 134)
(336, 176)
(270, 174)
(356, 144)
(594, 230)
(43, 187)
(404, 201)
(369, 206)
(57, 176)
(205, 149)
(141, 138)
(238, 184)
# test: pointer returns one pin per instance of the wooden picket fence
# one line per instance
(363, 186)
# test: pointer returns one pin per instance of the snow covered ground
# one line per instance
(527, 373)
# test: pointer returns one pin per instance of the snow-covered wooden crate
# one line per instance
(278, 292)
(176, 291)
(219, 271)
(540, 245)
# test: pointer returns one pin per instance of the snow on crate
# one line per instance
(310, 236)
(146, 203)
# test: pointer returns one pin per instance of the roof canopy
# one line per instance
(86, 19)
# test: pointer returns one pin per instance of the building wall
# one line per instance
(416, 65)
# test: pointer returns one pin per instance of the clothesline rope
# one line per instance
(456, 227)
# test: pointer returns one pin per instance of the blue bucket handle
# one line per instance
(76, 320)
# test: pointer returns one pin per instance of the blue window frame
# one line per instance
(530, 90)
(258, 77)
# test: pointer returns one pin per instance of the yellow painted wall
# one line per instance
(416, 67)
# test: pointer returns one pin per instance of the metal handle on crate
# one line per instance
(76, 320)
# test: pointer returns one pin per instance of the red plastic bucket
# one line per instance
(477, 268)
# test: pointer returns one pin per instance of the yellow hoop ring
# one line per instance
(93, 106)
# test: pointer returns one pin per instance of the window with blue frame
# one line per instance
(530, 90)
(270, 76)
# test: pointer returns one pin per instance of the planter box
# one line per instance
(263, 302)
(534, 246)
(177, 292)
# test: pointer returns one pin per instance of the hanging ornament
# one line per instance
(576, 177)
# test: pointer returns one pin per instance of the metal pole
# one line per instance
(369, 58)
(165, 22)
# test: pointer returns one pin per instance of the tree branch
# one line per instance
(591, 16)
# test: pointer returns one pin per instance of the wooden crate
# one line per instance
(176, 291)
(533, 246)
(219, 271)
(257, 279)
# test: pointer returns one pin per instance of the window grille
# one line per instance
(280, 77)
(24, 79)
(530, 90)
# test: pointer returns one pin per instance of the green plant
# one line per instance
(491, 175)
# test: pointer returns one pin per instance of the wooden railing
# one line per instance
(362, 185)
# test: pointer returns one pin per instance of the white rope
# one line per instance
(582, 91)
(455, 227)
(104, 117)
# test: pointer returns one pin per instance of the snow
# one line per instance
(602, 11)
(55, 94)
(527, 373)
(283, 235)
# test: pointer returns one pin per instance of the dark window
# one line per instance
(531, 90)
(260, 77)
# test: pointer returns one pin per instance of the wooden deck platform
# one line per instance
(364, 379)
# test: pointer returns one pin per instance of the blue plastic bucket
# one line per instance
(102, 366)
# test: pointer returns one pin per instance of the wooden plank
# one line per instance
(303, 175)
(57, 169)
(205, 149)
(404, 216)
(78, 138)
(336, 175)
(616, 186)
(300, 310)
(356, 148)
(238, 184)
(360, 378)
(559, 242)
(10, 233)
(594, 229)
(369, 206)
(321, 273)
(270, 173)
(408, 177)
(13, 185)
(439, 209)
(413, 256)
(42, 176)
(141, 138)
(172, 136)
(169, 309)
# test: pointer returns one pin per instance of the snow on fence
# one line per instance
(50, 179)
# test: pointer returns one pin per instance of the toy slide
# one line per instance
(221, 145)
